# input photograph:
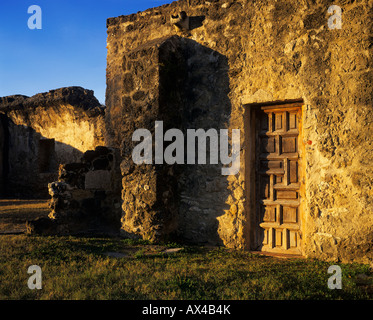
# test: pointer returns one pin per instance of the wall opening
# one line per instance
(47, 156)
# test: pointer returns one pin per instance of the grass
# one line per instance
(80, 268)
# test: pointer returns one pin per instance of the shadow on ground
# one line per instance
(15, 212)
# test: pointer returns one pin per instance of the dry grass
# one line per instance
(15, 212)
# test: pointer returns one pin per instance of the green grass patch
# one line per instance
(80, 268)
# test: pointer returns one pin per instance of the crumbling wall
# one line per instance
(46, 130)
(85, 198)
(279, 51)
(3, 153)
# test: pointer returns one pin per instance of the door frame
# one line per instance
(250, 130)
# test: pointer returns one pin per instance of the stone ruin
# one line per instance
(40, 132)
(85, 198)
(299, 91)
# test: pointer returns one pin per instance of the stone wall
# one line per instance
(267, 51)
(202, 187)
(86, 197)
(46, 130)
(3, 155)
(139, 96)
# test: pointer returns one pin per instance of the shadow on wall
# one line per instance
(179, 201)
(202, 187)
(29, 161)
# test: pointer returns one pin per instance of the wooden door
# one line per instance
(278, 176)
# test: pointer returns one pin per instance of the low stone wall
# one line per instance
(85, 199)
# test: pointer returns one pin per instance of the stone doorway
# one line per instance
(279, 179)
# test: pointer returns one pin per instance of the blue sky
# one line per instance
(69, 50)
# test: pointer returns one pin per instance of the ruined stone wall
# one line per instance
(275, 51)
(24, 178)
(2, 155)
(71, 116)
(85, 199)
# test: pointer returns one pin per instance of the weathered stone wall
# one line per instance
(72, 116)
(141, 96)
(275, 51)
(202, 187)
(24, 177)
(2, 153)
(185, 85)
(86, 197)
